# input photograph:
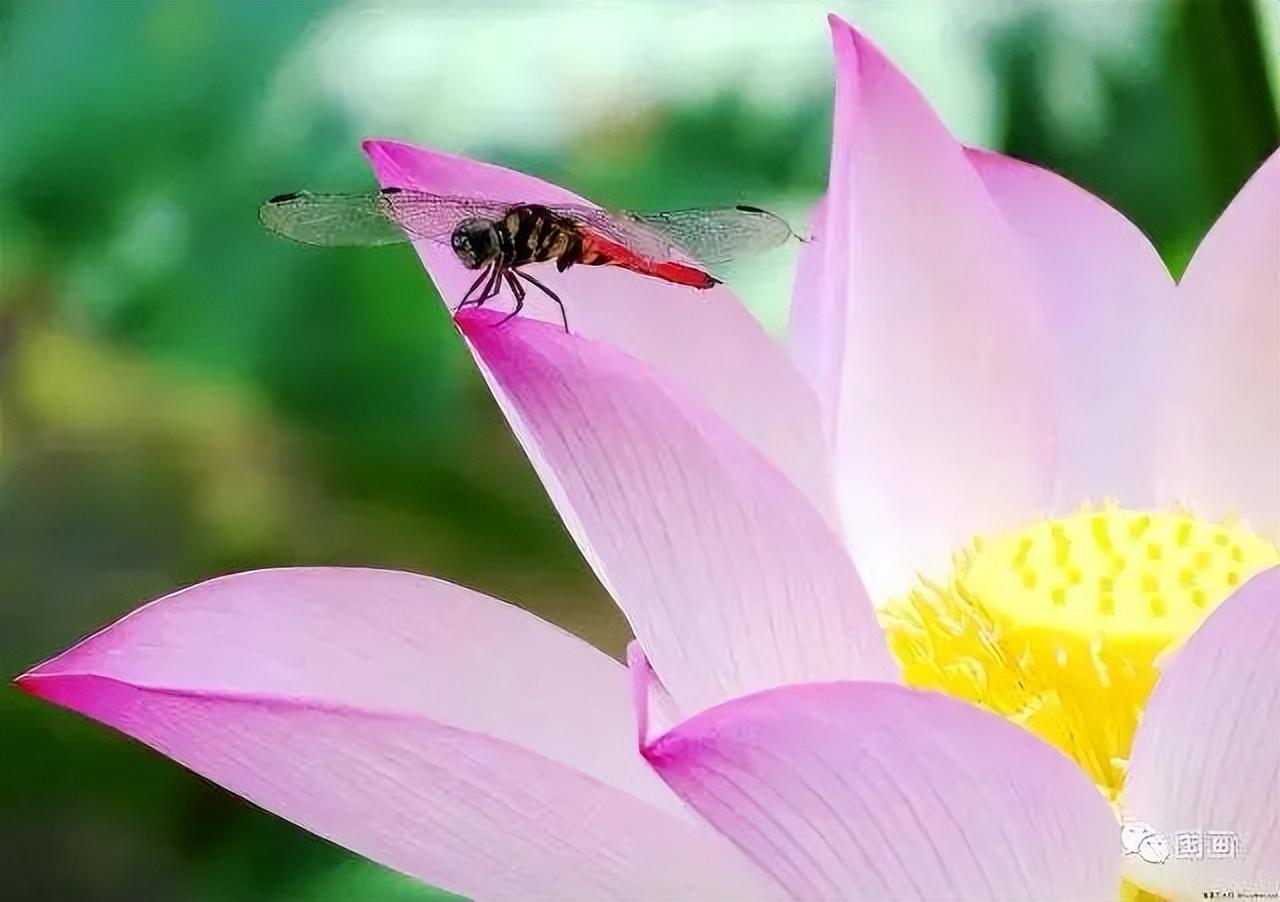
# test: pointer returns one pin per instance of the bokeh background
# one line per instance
(182, 395)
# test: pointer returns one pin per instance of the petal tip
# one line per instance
(862, 69)
(843, 35)
(473, 323)
(390, 160)
(492, 327)
(981, 155)
(484, 326)
(850, 43)
(384, 145)
(989, 162)
(27, 680)
(375, 149)
(39, 685)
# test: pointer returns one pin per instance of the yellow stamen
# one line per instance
(1058, 626)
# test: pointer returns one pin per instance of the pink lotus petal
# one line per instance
(428, 727)
(1222, 440)
(1106, 294)
(873, 791)
(1206, 757)
(460, 810)
(927, 332)
(704, 341)
(730, 579)
(386, 641)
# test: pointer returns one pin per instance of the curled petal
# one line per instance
(874, 791)
(730, 579)
(432, 729)
(1205, 768)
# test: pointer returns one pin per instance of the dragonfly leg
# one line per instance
(517, 291)
(494, 286)
(466, 298)
(564, 317)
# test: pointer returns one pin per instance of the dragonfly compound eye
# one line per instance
(475, 242)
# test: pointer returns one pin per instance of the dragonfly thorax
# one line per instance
(475, 242)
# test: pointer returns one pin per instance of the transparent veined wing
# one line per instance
(435, 216)
(390, 216)
(395, 215)
(714, 235)
(330, 219)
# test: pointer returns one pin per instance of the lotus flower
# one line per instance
(977, 345)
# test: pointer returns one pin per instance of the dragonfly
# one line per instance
(498, 239)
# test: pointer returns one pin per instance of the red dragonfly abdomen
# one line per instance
(597, 251)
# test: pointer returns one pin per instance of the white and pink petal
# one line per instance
(1220, 442)
(874, 791)
(730, 579)
(1106, 298)
(918, 322)
(434, 730)
(1204, 772)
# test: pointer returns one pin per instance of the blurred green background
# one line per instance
(182, 395)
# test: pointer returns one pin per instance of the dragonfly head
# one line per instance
(475, 241)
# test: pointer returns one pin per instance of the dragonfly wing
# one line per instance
(395, 215)
(435, 216)
(716, 235)
(390, 216)
(331, 219)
